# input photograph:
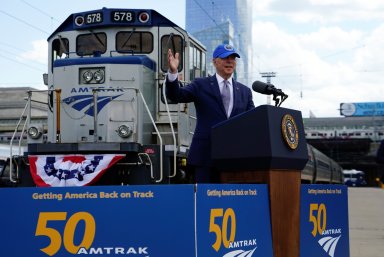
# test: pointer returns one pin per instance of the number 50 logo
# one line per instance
(56, 240)
(320, 220)
(222, 231)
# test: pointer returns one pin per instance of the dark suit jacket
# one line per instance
(205, 94)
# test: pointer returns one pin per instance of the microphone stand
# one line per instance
(279, 101)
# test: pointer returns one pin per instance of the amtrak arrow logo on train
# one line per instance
(84, 103)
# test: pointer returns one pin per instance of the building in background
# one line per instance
(13, 101)
(223, 21)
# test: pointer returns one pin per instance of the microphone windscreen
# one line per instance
(260, 87)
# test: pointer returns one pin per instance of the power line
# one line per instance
(24, 22)
(13, 47)
(29, 66)
(210, 17)
(39, 10)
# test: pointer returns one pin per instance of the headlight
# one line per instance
(92, 75)
(124, 131)
(144, 17)
(87, 76)
(34, 132)
(99, 76)
(79, 20)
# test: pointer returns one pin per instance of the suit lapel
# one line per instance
(216, 91)
(215, 87)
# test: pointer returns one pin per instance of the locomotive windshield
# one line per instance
(89, 44)
(134, 42)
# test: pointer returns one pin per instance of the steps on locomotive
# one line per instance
(165, 133)
(183, 127)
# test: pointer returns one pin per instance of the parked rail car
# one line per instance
(320, 169)
(346, 134)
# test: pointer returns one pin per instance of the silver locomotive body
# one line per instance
(105, 76)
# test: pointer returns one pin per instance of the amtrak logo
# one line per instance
(240, 253)
(329, 244)
(84, 103)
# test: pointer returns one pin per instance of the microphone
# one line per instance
(266, 89)
(269, 89)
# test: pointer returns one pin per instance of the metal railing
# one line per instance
(138, 92)
(58, 132)
(27, 120)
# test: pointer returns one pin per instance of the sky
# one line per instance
(324, 52)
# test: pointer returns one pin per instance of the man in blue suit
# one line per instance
(216, 99)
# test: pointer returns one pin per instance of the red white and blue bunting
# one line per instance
(70, 170)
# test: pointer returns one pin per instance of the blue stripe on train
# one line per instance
(136, 59)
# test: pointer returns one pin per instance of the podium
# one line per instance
(266, 145)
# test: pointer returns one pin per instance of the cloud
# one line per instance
(323, 11)
(38, 53)
(370, 57)
(322, 66)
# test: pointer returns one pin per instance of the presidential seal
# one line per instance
(290, 132)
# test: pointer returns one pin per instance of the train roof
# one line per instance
(353, 171)
(112, 17)
(343, 121)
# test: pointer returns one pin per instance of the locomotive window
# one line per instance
(194, 65)
(91, 44)
(196, 62)
(134, 42)
(175, 43)
(203, 65)
(60, 48)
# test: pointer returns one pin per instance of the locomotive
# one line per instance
(105, 73)
(107, 109)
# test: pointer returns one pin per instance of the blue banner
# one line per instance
(144, 221)
(233, 220)
(324, 227)
(362, 109)
(98, 221)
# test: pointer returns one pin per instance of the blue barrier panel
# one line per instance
(98, 221)
(324, 227)
(233, 220)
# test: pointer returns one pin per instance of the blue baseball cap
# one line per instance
(225, 50)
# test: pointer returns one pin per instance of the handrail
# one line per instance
(13, 136)
(158, 134)
(58, 115)
(172, 130)
(27, 119)
(95, 112)
(149, 160)
(138, 91)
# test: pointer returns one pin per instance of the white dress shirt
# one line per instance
(220, 81)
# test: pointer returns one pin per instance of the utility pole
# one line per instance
(268, 75)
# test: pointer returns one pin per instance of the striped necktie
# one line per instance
(226, 95)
